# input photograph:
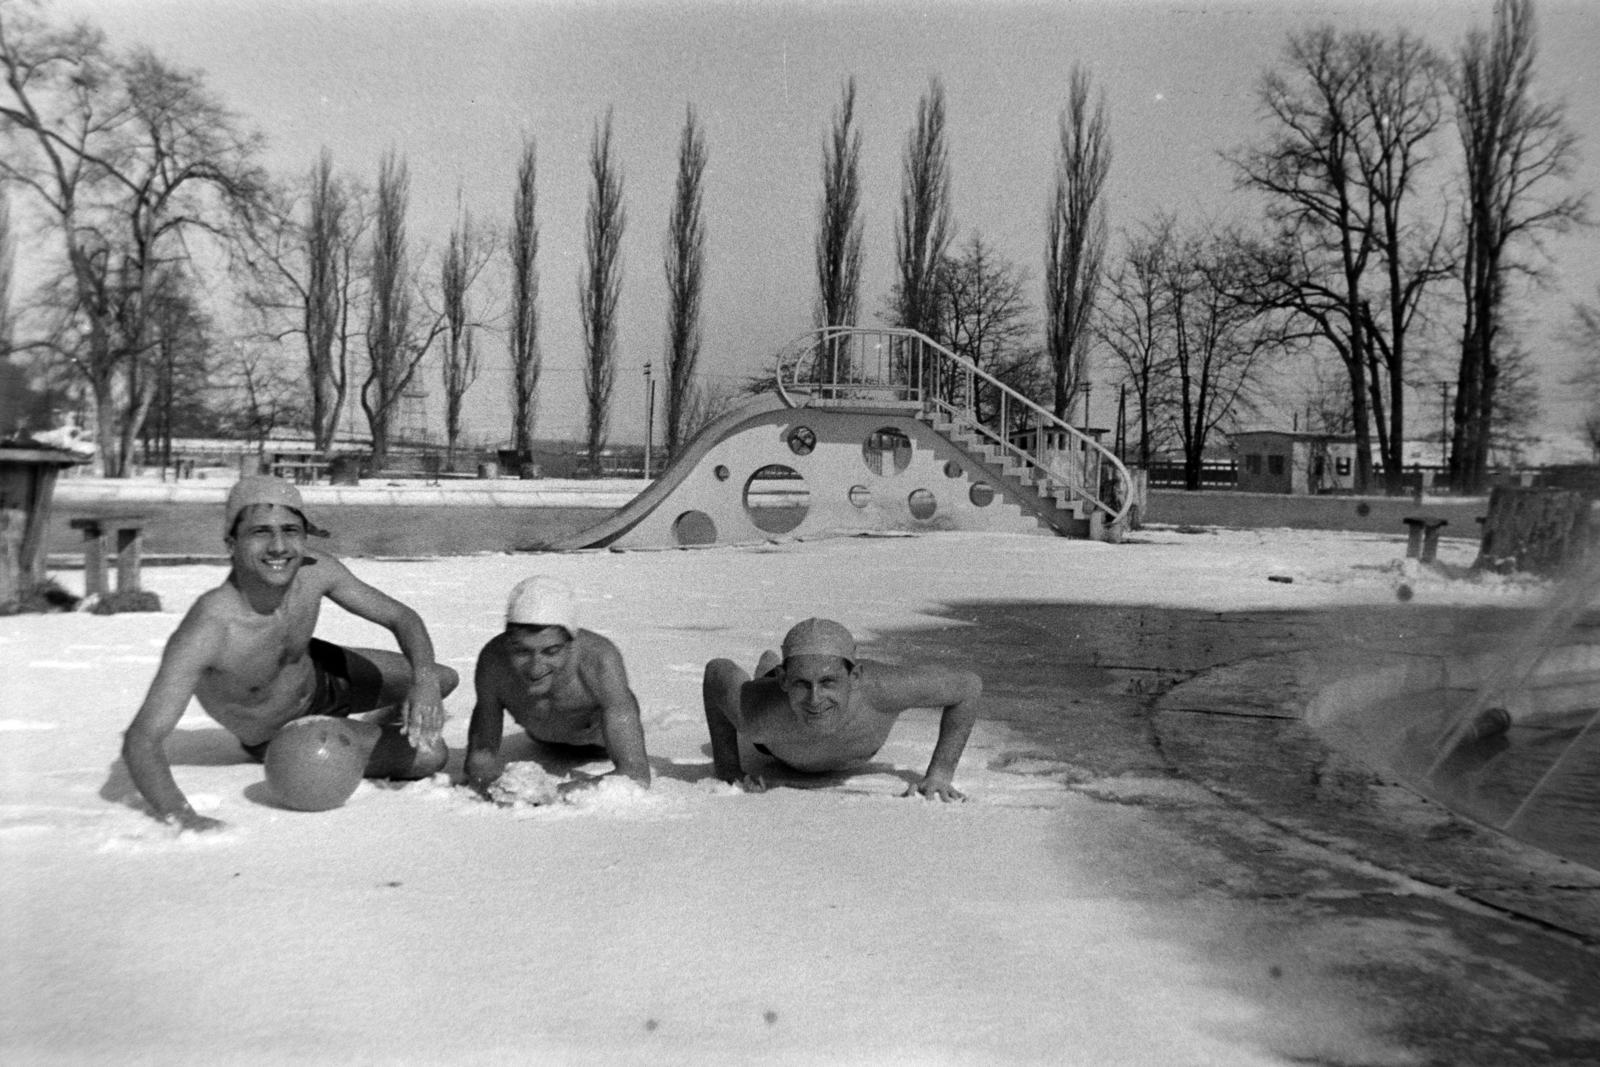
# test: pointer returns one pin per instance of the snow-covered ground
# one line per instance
(689, 925)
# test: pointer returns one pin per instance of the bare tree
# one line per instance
(183, 365)
(839, 228)
(1590, 426)
(524, 339)
(8, 258)
(981, 312)
(1076, 241)
(1582, 335)
(302, 249)
(131, 159)
(265, 395)
(396, 341)
(1137, 327)
(922, 234)
(600, 286)
(707, 403)
(1518, 151)
(685, 269)
(1354, 245)
(1401, 106)
(20, 401)
(1221, 339)
(1325, 396)
(466, 254)
(1514, 428)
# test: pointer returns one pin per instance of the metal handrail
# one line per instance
(925, 376)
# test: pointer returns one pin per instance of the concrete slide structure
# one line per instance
(767, 469)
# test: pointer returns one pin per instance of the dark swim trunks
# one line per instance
(343, 685)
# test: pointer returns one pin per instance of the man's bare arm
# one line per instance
(720, 692)
(189, 652)
(483, 762)
(607, 680)
(424, 709)
(936, 686)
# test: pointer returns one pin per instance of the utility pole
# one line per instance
(649, 416)
(1122, 422)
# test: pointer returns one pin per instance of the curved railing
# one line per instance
(841, 366)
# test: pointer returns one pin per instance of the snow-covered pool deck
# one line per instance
(1048, 920)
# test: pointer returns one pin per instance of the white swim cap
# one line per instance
(543, 601)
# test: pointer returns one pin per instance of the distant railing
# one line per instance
(1214, 474)
(895, 368)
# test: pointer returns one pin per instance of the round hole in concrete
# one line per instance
(952, 469)
(694, 528)
(776, 498)
(886, 450)
(922, 504)
(802, 440)
(981, 494)
(860, 496)
(721, 471)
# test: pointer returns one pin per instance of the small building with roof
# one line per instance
(1294, 462)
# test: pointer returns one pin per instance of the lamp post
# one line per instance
(1444, 423)
(649, 416)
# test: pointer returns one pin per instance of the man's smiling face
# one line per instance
(818, 688)
(268, 543)
(538, 655)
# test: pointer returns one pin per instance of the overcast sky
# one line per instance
(454, 85)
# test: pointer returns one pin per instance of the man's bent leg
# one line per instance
(376, 677)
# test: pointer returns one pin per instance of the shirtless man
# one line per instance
(565, 686)
(821, 709)
(245, 651)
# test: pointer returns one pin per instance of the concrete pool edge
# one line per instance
(1368, 813)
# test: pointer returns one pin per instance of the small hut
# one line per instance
(1279, 461)
(28, 473)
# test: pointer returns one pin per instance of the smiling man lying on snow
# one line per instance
(245, 651)
(564, 685)
(821, 709)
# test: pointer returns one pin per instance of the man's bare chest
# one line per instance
(861, 732)
(254, 651)
(567, 700)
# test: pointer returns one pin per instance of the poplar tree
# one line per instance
(684, 263)
(524, 336)
(922, 236)
(600, 286)
(839, 229)
(1076, 242)
(1518, 149)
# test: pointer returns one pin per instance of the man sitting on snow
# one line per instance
(821, 709)
(567, 687)
(245, 651)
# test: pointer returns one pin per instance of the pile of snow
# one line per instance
(524, 783)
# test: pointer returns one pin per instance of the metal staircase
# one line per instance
(1066, 478)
